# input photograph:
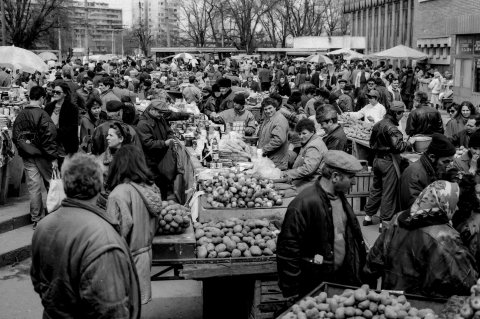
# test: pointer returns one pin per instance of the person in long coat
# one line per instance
(136, 202)
(306, 167)
(421, 253)
(320, 239)
(273, 134)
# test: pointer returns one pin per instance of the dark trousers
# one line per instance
(384, 189)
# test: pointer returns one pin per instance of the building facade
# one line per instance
(383, 23)
(98, 22)
(160, 17)
(449, 31)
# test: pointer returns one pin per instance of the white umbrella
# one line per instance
(300, 59)
(318, 58)
(48, 56)
(22, 59)
(107, 57)
(185, 56)
(400, 52)
(347, 53)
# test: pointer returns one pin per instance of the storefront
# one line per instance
(467, 69)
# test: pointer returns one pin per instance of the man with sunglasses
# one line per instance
(327, 117)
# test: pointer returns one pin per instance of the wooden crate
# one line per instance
(358, 194)
(206, 214)
(268, 300)
(181, 246)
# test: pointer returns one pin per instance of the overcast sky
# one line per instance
(125, 5)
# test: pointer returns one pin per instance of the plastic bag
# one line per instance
(56, 193)
(265, 168)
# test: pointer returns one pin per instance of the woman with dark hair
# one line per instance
(283, 88)
(118, 136)
(90, 121)
(306, 168)
(136, 203)
(457, 124)
(64, 114)
(129, 115)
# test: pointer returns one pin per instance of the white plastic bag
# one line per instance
(56, 193)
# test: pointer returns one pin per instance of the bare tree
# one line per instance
(304, 17)
(275, 25)
(27, 20)
(335, 21)
(246, 16)
(144, 38)
(195, 23)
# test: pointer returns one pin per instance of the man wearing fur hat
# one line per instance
(227, 94)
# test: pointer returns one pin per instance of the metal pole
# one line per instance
(86, 29)
(122, 46)
(113, 44)
(4, 32)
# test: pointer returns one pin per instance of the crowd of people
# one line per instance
(93, 255)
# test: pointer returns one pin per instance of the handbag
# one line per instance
(167, 167)
(56, 192)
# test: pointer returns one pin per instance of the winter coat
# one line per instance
(284, 90)
(227, 101)
(87, 127)
(137, 207)
(106, 97)
(308, 230)
(99, 137)
(424, 120)
(67, 131)
(386, 138)
(336, 139)
(35, 125)
(306, 168)
(79, 261)
(153, 133)
(422, 256)
(273, 139)
(414, 179)
(453, 128)
(212, 104)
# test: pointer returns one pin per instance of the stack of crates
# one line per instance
(358, 194)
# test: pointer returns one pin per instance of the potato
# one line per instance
(168, 218)
(236, 253)
(235, 239)
(224, 254)
(390, 313)
(360, 295)
(247, 253)
(367, 314)
(267, 252)
(272, 245)
(202, 252)
(212, 254)
(220, 248)
(340, 313)
(210, 247)
(349, 302)
(349, 311)
(256, 251)
(237, 229)
(242, 247)
(364, 304)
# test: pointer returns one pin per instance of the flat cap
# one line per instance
(342, 161)
(373, 93)
(160, 105)
(398, 106)
(114, 106)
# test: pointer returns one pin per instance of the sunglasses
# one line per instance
(57, 92)
(451, 111)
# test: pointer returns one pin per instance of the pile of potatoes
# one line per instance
(236, 238)
(471, 307)
(356, 128)
(360, 303)
(174, 218)
(232, 190)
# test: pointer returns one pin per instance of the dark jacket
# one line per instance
(81, 266)
(284, 90)
(414, 179)
(35, 125)
(99, 137)
(424, 120)
(316, 79)
(386, 137)
(307, 230)
(336, 140)
(423, 256)
(153, 133)
(226, 101)
(67, 125)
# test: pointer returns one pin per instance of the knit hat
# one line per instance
(474, 139)
(114, 106)
(441, 146)
(239, 99)
(215, 88)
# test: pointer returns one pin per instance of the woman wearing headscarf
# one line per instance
(421, 253)
(136, 203)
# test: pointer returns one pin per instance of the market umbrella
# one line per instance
(300, 59)
(48, 56)
(347, 53)
(399, 52)
(318, 58)
(22, 59)
(107, 57)
(185, 56)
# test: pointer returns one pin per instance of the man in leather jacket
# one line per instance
(424, 119)
(321, 237)
(387, 143)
